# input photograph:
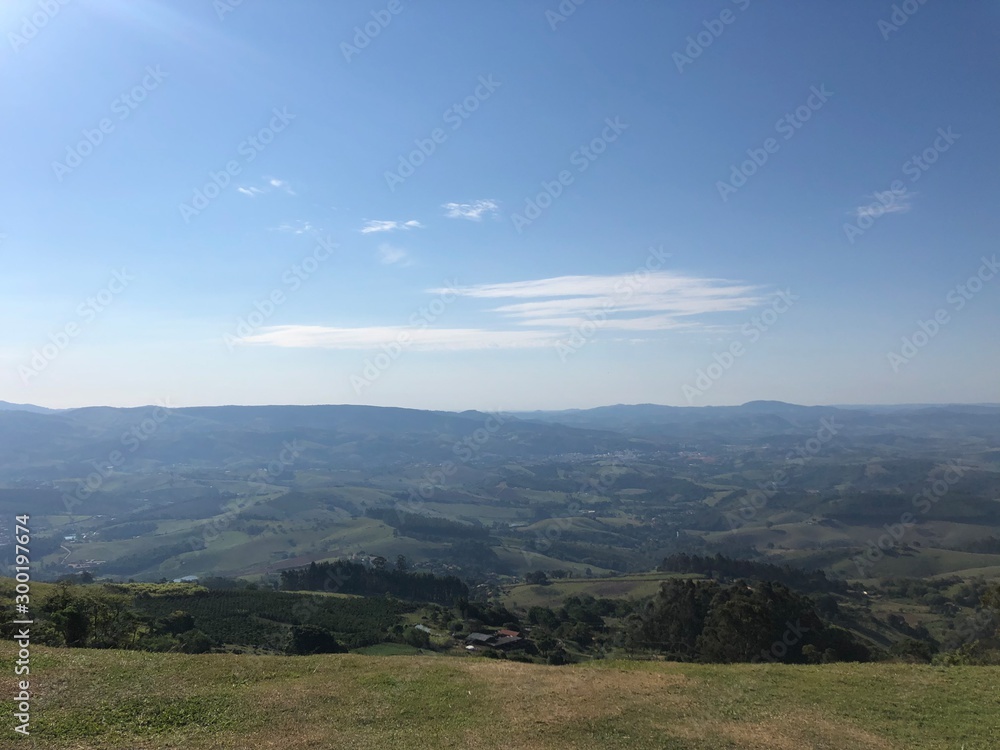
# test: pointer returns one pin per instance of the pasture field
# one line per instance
(117, 700)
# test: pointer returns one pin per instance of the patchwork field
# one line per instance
(619, 587)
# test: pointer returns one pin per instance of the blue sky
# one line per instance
(498, 205)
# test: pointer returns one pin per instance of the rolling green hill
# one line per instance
(150, 493)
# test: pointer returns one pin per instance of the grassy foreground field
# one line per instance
(141, 701)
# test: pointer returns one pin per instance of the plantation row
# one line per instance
(257, 618)
(345, 577)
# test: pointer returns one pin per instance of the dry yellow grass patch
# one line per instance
(797, 731)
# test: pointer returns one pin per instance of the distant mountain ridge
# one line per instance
(350, 436)
(7, 406)
(764, 419)
(343, 436)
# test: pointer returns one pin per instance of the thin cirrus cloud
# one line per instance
(659, 300)
(426, 339)
(294, 227)
(270, 183)
(390, 255)
(886, 202)
(373, 225)
(472, 211)
(547, 311)
(280, 185)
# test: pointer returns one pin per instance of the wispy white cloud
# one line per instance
(658, 300)
(426, 339)
(473, 211)
(389, 226)
(280, 185)
(294, 227)
(642, 305)
(389, 255)
(886, 202)
(269, 184)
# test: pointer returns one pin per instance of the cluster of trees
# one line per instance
(311, 639)
(664, 486)
(342, 576)
(490, 614)
(581, 620)
(41, 546)
(419, 526)
(476, 559)
(148, 617)
(707, 621)
(100, 617)
(988, 546)
(267, 619)
(720, 566)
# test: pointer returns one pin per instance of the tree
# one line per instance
(912, 650)
(558, 657)
(543, 616)
(401, 563)
(537, 578)
(672, 622)
(195, 642)
(75, 625)
(418, 638)
(176, 623)
(309, 639)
